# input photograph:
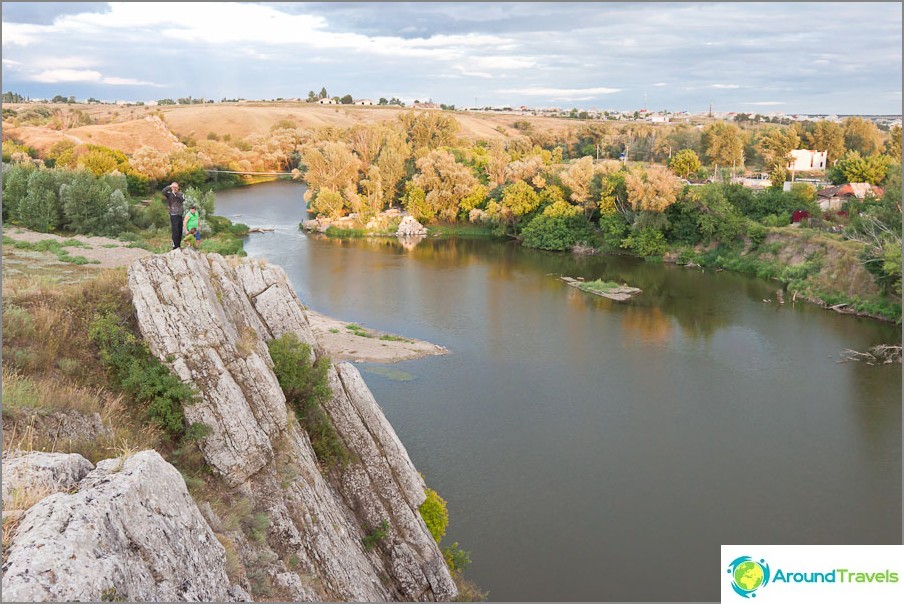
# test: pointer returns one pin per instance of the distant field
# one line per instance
(130, 128)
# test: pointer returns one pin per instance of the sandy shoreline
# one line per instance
(364, 345)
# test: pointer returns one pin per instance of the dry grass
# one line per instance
(127, 129)
(22, 395)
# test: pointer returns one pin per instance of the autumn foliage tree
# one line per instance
(651, 190)
(684, 163)
(443, 182)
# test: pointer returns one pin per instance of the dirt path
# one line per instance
(101, 252)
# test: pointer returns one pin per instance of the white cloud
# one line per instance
(473, 74)
(658, 84)
(55, 76)
(573, 94)
(730, 86)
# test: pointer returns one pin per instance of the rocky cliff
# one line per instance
(210, 319)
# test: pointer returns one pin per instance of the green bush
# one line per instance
(435, 514)
(757, 234)
(646, 242)
(556, 232)
(613, 229)
(306, 386)
(225, 247)
(137, 372)
(456, 558)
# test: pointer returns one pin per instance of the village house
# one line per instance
(363, 102)
(327, 102)
(805, 160)
(833, 198)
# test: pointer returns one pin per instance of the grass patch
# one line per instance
(599, 286)
(339, 233)
(358, 330)
(54, 247)
(391, 338)
(463, 230)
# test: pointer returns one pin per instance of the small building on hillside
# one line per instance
(805, 160)
(426, 106)
(833, 198)
(363, 102)
(327, 102)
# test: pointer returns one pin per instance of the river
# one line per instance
(591, 450)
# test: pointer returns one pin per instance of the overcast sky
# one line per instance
(824, 57)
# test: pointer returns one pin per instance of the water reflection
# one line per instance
(570, 433)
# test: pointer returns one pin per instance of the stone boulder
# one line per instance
(38, 474)
(131, 532)
(409, 227)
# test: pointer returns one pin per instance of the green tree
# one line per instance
(15, 188)
(347, 100)
(85, 201)
(429, 129)
(826, 136)
(684, 163)
(862, 136)
(855, 168)
(776, 145)
(518, 199)
(39, 210)
(724, 144)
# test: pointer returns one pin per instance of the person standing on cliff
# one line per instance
(175, 200)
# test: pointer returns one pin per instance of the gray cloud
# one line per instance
(677, 56)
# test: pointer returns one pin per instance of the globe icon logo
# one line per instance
(748, 575)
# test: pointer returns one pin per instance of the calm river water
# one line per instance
(598, 451)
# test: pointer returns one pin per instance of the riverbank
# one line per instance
(25, 255)
(822, 269)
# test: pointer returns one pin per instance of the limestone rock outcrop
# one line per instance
(210, 318)
(40, 474)
(130, 531)
(410, 227)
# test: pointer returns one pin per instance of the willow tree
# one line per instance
(652, 190)
(578, 178)
(391, 163)
(444, 183)
(429, 129)
(330, 165)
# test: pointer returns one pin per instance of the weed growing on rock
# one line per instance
(306, 386)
